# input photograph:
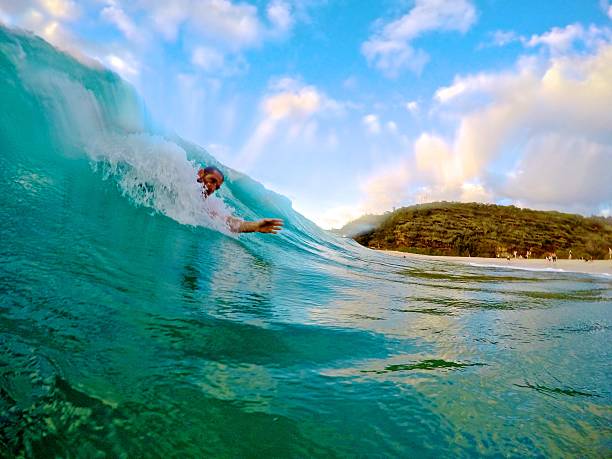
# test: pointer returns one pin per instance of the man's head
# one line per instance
(211, 179)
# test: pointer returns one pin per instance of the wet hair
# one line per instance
(210, 170)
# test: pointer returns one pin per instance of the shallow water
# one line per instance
(133, 325)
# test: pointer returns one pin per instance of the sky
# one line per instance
(350, 107)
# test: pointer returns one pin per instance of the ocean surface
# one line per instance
(134, 324)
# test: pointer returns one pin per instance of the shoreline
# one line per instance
(602, 267)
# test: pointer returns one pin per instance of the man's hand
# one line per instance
(268, 225)
(265, 225)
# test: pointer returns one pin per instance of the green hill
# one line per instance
(487, 230)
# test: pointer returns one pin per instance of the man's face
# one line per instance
(210, 181)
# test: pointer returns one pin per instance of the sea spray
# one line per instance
(156, 173)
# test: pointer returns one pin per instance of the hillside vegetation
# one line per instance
(487, 230)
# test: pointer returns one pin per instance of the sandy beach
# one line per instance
(578, 266)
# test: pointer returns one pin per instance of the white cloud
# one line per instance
(372, 123)
(412, 107)
(207, 58)
(566, 97)
(287, 111)
(61, 9)
(482, 82)
(114, 14)
(64, 10)
(539, 136)
(236, 25)
(387, 187)
(475, 192)
(124, 66)
(10, 8)
(391, 50)
(279, 14)
(332, 217)
(558, 39)
(391, 127)
(392, 57)
(502, 38)
(300, 103)
(231, 25)
(215, 33)
(167, 17)
(606, 6)
(447, 93)
(435, 161)
(560, 170)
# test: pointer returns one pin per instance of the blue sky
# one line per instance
(349, 107)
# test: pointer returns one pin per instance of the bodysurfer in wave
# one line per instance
(211, 179)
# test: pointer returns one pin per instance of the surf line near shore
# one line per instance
(598, 267)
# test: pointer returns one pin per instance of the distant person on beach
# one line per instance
(211, 179)
(569, 257)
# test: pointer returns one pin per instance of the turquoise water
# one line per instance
(134, 324)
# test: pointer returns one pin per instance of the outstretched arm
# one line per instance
(265, 225)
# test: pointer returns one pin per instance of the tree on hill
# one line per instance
(489, 230)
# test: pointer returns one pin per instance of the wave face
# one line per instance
(134, 324)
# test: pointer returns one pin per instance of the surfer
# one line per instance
(211, 179)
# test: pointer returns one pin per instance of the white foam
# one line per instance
(156, 173)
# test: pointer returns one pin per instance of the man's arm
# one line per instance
(265, 225)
